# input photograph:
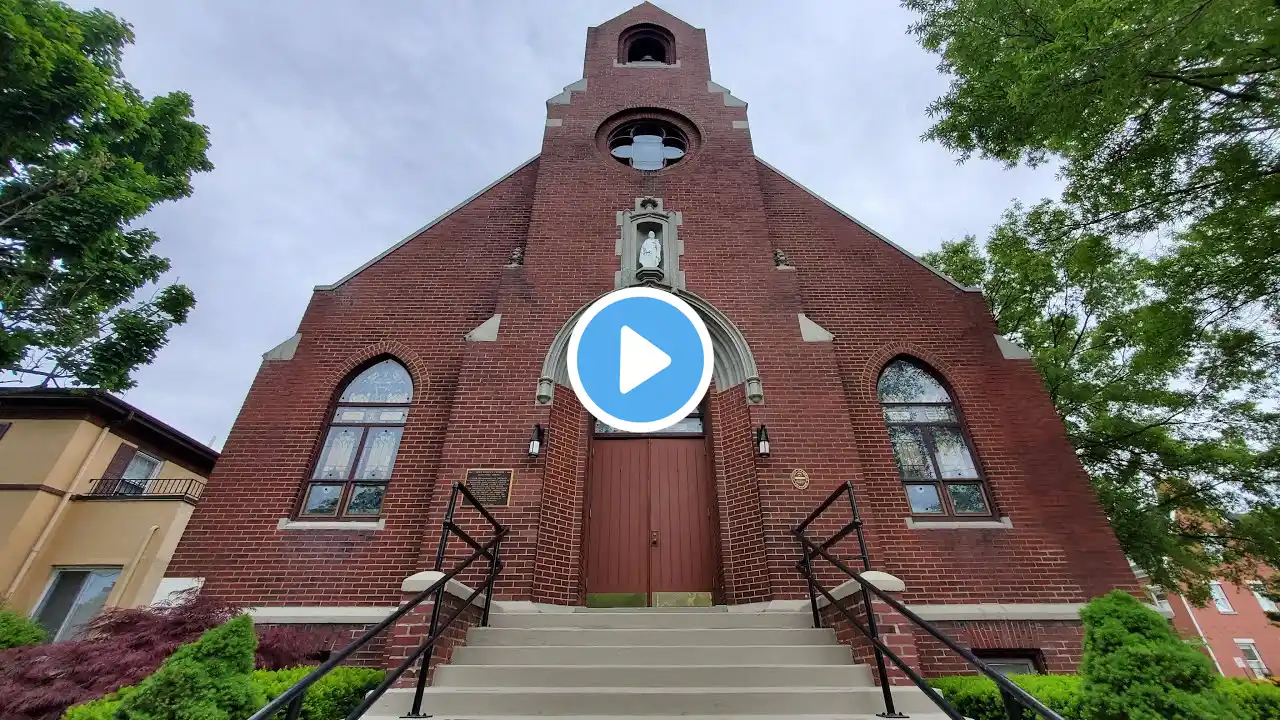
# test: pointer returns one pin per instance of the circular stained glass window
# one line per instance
(648, 144)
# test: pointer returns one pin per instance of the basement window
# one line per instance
(1012, 662)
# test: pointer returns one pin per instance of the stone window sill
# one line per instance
(352, 525)
(1002, 524)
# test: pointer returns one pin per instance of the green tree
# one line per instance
(209, 679)
(1163, 408)
(1136, 668)
(1150, 294)
(83, 155)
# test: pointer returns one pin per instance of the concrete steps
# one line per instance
(696, 664)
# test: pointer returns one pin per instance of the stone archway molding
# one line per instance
(734, 364)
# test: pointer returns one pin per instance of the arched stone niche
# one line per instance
(636, 224)
(734, 364)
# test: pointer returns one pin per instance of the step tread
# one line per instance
(859, 716)
(623, 690)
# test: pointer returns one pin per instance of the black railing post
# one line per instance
(495, 566)
(873, 629)
(295, 707)
(857, 527)
(1012, 708)
(808, 576)
(425, 667)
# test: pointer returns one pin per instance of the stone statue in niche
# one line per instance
(651, 251)
(650, 258)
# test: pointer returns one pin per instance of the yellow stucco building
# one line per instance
(94, 495)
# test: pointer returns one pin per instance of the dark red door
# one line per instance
(650, 530)
(618, 524)
(681, 558)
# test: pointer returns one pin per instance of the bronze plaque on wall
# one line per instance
(491, 487)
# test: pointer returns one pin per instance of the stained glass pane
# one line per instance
(338, 453)
(369, 416)
(386, 382)
(366, 500)
(379, 454)
(953, 456)
(903, 382)
(910, 452)
(322, 500)
(924, 499)
(919, 413)
(968, 499)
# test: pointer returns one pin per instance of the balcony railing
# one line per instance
(185, 489)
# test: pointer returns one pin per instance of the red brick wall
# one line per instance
(474, 403)
(1057, 641)
(414, 628)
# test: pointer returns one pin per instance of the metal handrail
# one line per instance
(1015, 699)
(291, 700)
(189, 488)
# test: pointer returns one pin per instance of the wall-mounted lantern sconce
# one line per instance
(762, 442)
(535, 442)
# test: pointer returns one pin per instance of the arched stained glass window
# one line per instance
(350, 477)
(933, 454)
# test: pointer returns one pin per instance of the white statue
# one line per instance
(651, 252)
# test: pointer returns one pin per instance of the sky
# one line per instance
(338, 128)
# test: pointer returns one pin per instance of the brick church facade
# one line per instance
(442, 354)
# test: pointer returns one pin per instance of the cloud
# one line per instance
(338, 128)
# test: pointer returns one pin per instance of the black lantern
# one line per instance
(762, 442)
(535, 442)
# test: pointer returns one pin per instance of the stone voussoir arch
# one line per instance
(397, 351)
(734, 364)
(875, 365)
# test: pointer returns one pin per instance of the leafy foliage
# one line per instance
(17, 630)
(1136, 668)
(1166, 410)
(82, 157)
(1150, 294)
(124, 646)
(209, 679)
(1258, 700)
(977, 697)
(331, 698)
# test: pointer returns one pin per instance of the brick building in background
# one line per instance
(1237, 626)
(442, 354)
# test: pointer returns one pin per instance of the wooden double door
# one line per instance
(651, 524)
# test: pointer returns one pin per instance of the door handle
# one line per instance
(653, 538)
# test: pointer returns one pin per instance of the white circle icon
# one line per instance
(640, 359)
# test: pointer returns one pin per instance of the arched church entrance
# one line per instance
(650, 535)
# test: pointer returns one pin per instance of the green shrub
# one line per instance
(103, 708)
(1259, 700)
(209, 679)
(17, 630)
(331, 698)
(1136, 668)
(978, 697)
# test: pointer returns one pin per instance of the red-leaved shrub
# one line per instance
(123, 646)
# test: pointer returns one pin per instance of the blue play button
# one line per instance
(640, 359)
